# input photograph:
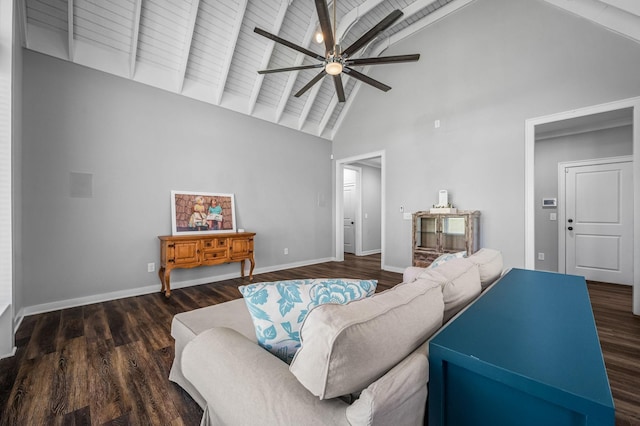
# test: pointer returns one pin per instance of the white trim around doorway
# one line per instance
(339, 203)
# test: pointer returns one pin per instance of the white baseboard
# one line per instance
(10, 354)
(104, 297)
(390, 268)
(370, 252)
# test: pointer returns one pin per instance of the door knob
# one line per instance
(570, 220)
(570, 228)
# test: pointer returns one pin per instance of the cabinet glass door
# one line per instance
(426, 230)
(453, 234)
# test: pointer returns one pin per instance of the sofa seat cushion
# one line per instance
(460, 281)
(279, 308)
(232, 314)
(345, 348)
(490, 265)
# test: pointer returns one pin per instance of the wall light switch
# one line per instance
(553, 216)
(406, 216)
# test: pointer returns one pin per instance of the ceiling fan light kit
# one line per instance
(334, 66)
(337, 61)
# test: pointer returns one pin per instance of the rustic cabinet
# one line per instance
(190, 251)
(435, 234)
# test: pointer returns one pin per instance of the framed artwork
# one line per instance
(202, 213)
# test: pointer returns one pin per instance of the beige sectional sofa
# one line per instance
(361, 363)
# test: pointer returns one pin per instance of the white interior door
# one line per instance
(598, 221)
(349, 211)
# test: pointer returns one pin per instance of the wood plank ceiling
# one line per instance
(207, 50)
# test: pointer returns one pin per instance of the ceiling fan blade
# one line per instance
(369, 35)
(287, 43)
(301, 67)
(366, 79)
(383, 60)
(325, 24)
(337, 81)
(313, 81)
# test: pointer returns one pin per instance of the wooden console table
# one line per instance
(526, 353)
(190, 251)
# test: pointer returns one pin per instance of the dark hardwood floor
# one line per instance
(108, 363)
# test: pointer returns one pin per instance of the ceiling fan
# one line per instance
(337, 61)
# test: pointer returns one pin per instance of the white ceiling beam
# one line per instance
(70, 30)
(329, 111)
(22, 18)
(309, 103)
(291, 79)
(282, 12)
(622, 22)
(184, 61)
(631, 6)
(348, 20)
(226, 64)
(135, 33)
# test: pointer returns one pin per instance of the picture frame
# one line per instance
(194, 213)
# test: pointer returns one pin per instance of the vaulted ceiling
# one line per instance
(207, 49)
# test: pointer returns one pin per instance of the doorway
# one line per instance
(531, 125)
(368, 197)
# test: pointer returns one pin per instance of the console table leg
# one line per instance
(165, 278)
(253, 264)
(161, 276)
(242, 268)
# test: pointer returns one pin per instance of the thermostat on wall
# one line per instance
(549, 202)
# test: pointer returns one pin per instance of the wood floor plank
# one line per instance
(105, 384)
(118, 326)
(44, 335)
(30, 402)
(189, 411)
(146, 384)
(147, 325)
(96, 325)
(80, 417)
(108, 363)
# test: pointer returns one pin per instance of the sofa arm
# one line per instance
(242, 383)
(399, 397)
(411, 273)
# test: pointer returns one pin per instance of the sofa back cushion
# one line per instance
(490, 265)
(345, 348)
(278, 308)
(460, 282)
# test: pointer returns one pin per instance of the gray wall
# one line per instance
(139, 143)
(548, 153)
(371, 207)
(483, 71)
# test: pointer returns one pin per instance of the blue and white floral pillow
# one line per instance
(278, 308)
(446, 257)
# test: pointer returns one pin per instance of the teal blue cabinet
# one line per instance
(525, 353)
